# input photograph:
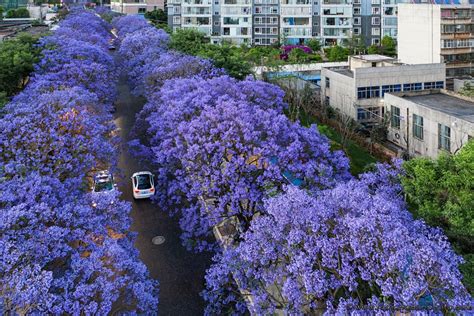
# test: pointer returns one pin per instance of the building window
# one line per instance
(375, 41)
(375, 21)
(412, 86)
(141, 10)
(364, 114)
(391, 88)
(327, 101)
(327, 82)
(375, 1)
(176, 20)
(418, 126)
(361, 114)
(376, 31)
(368, 92)
(444, 137)
(356, 11)
(434, 85)
(356, 1)
(356, 21)
(375, 11)
(356, 30)
(395, 116)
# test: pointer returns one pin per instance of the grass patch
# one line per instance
(360, 158)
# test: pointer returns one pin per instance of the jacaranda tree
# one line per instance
(348, 248)
(64, 251)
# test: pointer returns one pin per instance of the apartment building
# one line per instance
(427, 123)
(358, 90)
(136, 6)
(264, 22)
(336, 21)
(433, 33)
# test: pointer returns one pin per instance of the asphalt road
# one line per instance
(180, 273)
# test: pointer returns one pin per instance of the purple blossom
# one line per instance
(342, 249)
(59, 254)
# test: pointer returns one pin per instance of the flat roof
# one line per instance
(343, 71)
(373, 57)
(445, 103)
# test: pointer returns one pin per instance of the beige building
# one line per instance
(136, 6)
(358, 90)
(426, 123)
(433, 33)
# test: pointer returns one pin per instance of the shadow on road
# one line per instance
(180, 273)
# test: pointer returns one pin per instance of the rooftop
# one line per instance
(449, 104)
(344, 71)
(373, 57)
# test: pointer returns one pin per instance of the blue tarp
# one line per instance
(288, 175)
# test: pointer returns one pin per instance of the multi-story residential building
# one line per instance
(427, 123)
(336, 21)
(264, 22)
(296, 21)
(432, 33)
(136, 6)
(236, 21)
(358, 90)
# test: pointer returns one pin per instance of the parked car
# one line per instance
(143, 184)
(103, 183)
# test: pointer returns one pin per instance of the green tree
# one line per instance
(228, 57)
(17, 57)
(388, 46)
(1, 12)
(3, 100)
(355, 44)
(467, 90)
(297, 56)
(373, 49)
(337, 53)
(442, 191)
(262, 56)
(314, 44)
(188, 40)
(157, 16)
(18, 13)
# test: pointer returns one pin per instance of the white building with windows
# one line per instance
(265, 22)
(427, 123)
(438, 33)
(358, 90)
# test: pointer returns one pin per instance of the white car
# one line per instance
(143, 184)
(103, 183)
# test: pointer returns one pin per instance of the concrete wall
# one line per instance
(343, 89)
(460, 129)
(341, 92)
(419, 33)
(132, 8)
(366, 77)
(298, 67)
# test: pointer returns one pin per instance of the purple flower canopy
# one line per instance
(350, 247)
(223, 151)
(61, 255)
